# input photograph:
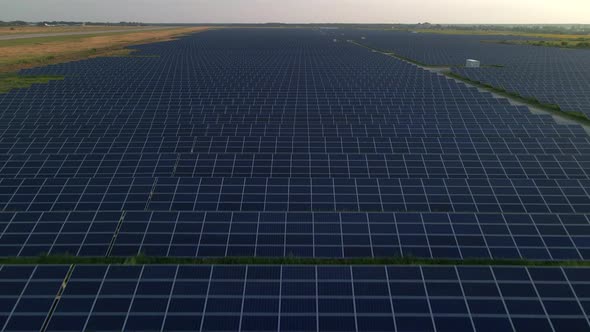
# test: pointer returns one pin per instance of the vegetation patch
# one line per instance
(290, 260)
(551, 108)
(499, 32)
(577, 43)
(421, 64)
(12, 81)
(401, 57)
(131, 54)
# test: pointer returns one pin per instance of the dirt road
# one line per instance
(75, 33)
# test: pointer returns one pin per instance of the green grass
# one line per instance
(290, 260)
(421, 64)
(401, 57)
(28, 60)
(132, 55)
(425, 65)
(580, 43)
(12, 81)
(493, 32)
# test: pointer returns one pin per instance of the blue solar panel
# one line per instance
(294, 298)
(28, 294)
(278, 142)
(548, 74)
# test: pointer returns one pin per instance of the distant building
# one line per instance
(471, 63)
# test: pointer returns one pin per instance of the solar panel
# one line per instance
(28, 294)
(550, 75)
(281, 142)
(308, 298)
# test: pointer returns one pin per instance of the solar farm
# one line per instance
(551, 75)
(293, 145)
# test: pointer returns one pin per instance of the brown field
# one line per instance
(15, 55)
(36, 29)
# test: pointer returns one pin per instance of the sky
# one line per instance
(300, 11)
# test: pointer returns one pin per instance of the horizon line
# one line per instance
(295, 23)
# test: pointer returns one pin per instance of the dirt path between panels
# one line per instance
(34, 52)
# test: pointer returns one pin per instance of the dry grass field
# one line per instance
(32, 52)
(17, 30)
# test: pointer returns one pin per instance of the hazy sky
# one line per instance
(300, 11)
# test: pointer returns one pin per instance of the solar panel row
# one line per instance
(191, 234)
(295, 298)
(308, 131)
(296, 194)
(130, 147)
(555, 166)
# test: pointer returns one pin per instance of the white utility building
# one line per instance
(472, 63)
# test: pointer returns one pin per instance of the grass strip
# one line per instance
(13, 81)
(581, 43)
(401, 57)
(551, 108)
(289, 260)
(476, 32)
